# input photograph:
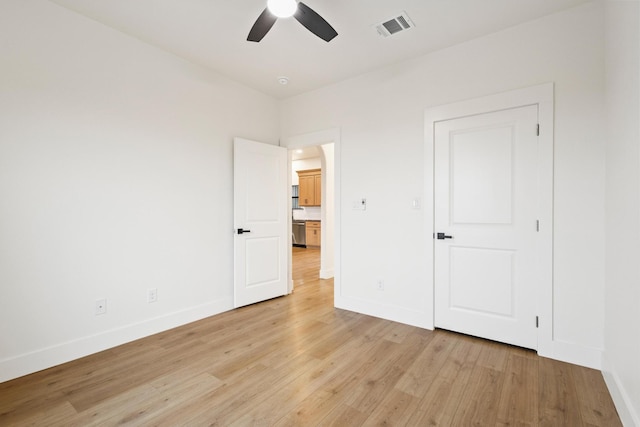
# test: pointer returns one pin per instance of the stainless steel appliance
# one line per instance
(299, 233)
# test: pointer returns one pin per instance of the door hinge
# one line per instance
(537, 225)
(538, 129)
(537, 321)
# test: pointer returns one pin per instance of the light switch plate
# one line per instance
(101, 306)
(360, 204)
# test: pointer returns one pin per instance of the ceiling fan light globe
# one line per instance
(282, 8)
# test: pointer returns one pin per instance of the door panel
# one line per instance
(481, 176)
(262, 256)
(485, 199)
(260, 206)
(479, 271)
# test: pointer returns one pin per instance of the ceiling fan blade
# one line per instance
(262, 26)
(314, 22)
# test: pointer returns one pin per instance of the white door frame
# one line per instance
(542, 96)
(330, 267)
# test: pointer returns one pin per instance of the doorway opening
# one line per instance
(312, 213)
(306, 214)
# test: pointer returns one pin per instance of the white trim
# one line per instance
(622, 400)
(542, 96)
(38, 360)
(327, 273)
(310, 139)
(382, 311)
(577, 354)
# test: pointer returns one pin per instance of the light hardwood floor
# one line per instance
(298, 361)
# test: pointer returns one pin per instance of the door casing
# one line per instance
(542, 96)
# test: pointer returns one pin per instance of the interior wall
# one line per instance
(380, 116)
(116, 177)
(622, 317)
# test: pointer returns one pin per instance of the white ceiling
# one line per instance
(213, 33)
(302, 153)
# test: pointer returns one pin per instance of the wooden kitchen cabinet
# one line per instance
(310, 187)
(317, 181)
(313, 233)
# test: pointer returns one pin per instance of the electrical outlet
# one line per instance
(380, 285)
(152, 295)
(101, 306)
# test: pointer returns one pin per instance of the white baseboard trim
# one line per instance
(624, 405)
(383, 311)
(48, 357)
(576, 354)
(326, 273)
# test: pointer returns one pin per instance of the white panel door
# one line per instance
(485, 193)
(260, 221)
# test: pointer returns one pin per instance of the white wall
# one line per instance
(115, 177)
(621, 363)
(380, 116)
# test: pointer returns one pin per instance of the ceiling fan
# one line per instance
(285, 8)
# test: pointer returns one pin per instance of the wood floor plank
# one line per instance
(210, 405)
(394, 409)
(124, 376)
(117, 408)
(557, 393)
(596, 405)
(60, 415)
(424, 369)
(441, 399)
(494, 356)
(21, 404)
(335, 390)
(479, 402)
(519, 401)
(340, 336)
(387, 372)
(312, 410)
(343, 415)
(298, 361)
(286, 397)
(170, 399)
(284, 389)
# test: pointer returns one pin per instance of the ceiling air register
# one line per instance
(399, 23)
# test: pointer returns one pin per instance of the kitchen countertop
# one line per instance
(306, 214)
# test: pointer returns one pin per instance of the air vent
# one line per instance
(395, 25)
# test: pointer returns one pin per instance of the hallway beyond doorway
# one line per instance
(306, 266)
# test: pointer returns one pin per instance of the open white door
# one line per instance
(486, 187)
(260, 221)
